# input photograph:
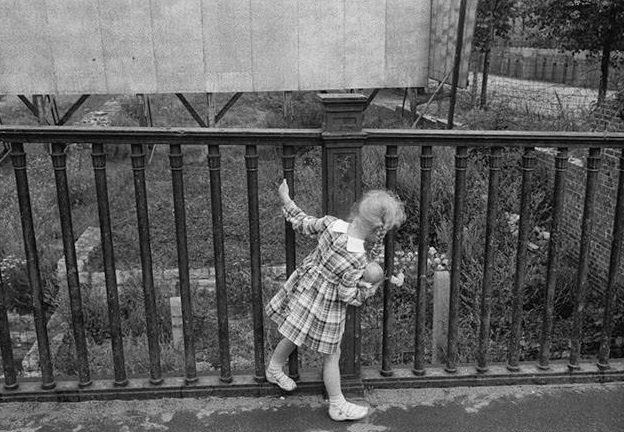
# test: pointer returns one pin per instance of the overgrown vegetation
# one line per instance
(265, 111)
(473, 259)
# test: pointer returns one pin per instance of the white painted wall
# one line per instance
(165, 46)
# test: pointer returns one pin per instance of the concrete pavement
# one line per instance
(582, 407)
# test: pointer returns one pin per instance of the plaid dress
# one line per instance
(310, 308)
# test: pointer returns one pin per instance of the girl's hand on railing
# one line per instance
(284, 192)
(398, 280)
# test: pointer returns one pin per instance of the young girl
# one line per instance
(310, 309)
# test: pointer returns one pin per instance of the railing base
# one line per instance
(311, 383)
(496, 375)
(171, 387)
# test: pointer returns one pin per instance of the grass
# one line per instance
(14, 112)
(253, 110)
(264, 110)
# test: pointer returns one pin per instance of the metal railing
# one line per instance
(341, 135)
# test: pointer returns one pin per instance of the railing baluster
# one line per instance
(593, 168)
(214, 165)
(59, 159)
(18, 158)
(149, 294)
(98, 156)
(176, 163)
(288, 165)
(426, 159)
(497, 143)
(392, 161)
(561, 162)
(610, 293)
(251, 162)
(488, 266)
(8, 362)
(461, 157)
(513, 354)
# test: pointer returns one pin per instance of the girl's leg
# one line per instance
(274, 372)
(339, 408)
(283, 349)
(331, 375)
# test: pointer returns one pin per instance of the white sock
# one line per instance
(338, 400)
(275, 367)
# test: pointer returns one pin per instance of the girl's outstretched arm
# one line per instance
(353, 290)
(301, 222)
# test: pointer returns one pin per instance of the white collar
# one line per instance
(353, 244)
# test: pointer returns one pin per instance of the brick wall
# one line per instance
(600, 247)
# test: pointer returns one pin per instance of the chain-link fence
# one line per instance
(535, 89)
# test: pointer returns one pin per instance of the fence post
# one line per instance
(441, 297)
(342, 166)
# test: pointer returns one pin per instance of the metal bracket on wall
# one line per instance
(200, 121)
(52, 99)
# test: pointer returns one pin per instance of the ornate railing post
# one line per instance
(342, 167)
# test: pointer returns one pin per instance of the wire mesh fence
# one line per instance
(530, 89)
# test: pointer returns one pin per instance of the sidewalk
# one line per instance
(583, 407)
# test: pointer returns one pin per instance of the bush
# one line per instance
(18, 293)
(132, 312)
(262, 110)
(505, 245)
(136, 354)
(497, 118)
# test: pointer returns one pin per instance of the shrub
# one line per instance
(132, 312)
(441, 216)
(18, 294)
(262, 110)
(136, 354)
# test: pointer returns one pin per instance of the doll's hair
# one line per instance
(380, 208)
(373, 273)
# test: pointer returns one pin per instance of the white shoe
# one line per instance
(282, 380)
(347, 411)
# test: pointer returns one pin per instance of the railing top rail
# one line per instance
(307, 137)
(504, 138)
(159, 135)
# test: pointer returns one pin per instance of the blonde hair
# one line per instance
(380, 208)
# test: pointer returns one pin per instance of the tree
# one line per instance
(494, 19)
(593, 25)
